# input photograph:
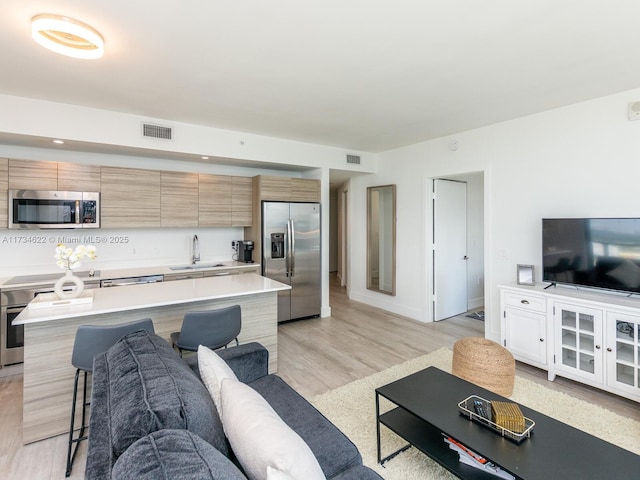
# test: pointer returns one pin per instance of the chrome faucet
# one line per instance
(196, 250)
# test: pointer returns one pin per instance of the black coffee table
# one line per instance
(427, 407)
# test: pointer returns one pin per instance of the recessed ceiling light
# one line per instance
(60, 142)
(67, 36)
(204, 158)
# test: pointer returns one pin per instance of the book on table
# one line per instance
(471, 458)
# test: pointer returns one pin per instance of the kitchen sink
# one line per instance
(197, 266)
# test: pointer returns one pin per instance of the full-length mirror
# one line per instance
(381, 239)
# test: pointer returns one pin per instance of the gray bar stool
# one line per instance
(213, 329)
(91, 340)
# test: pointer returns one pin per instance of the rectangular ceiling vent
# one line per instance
(355, 159)
(156, 131)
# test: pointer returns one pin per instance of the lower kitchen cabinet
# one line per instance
(587, 336)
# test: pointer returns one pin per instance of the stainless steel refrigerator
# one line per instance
(291, 255)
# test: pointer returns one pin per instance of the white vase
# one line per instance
(69, 277)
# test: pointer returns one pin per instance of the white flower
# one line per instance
(69, 259)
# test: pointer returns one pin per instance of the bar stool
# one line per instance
(91, 340)
(213, 329)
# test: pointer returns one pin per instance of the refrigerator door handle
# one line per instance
(287, 250)
(292, 241)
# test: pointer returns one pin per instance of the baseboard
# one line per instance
(474, 303)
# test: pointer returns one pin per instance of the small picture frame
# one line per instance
(526, 275)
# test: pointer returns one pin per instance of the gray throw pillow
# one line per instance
(151, 388)
(174, 454)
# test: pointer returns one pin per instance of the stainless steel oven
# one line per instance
(12, 302)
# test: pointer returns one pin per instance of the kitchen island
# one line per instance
(49, 334)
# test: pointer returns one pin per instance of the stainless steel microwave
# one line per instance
(30, 209)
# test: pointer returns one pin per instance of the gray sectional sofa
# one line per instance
(152, 417)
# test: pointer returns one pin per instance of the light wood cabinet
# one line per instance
(4, 192)
(32, 175)
(287, 189)
(214, 206)
(144, 198)
(75, 177)
(130, 197)
(305, 190)
(274, 188)
(178, 199)
(241, 201)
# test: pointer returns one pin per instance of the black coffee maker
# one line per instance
(245, 251)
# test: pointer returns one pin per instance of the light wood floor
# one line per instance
(315, 356)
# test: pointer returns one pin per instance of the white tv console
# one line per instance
(588, 336)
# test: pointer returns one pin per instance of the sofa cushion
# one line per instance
(172, 454)
(212, 371)
(333, 450)
(151, 388)
(261, 440)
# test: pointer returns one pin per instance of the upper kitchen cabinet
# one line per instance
(214, 205)
(305, 190)
(179, 199)
(4, 189)
(74, 177)
(288, 189)
(33, 175)
(130, 197)
(241, 201)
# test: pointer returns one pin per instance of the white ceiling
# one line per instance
(366, 75)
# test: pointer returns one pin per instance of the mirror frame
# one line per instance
(370, 285)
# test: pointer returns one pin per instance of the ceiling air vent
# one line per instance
(353, 159)
(156, 131)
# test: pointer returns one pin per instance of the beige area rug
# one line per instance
(352, 409)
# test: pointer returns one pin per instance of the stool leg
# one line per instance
(73, 417)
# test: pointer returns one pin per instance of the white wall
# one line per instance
(581, 160)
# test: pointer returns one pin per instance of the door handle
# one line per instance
(292, 240)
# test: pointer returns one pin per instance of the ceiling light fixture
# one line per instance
(204, 158)
(67, 36)
(59, 142)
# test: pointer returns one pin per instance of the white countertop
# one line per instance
(134, 297)
(129, 272)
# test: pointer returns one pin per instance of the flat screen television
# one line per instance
(592, 252)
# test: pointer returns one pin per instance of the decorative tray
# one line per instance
(47, 300)
(470, 408)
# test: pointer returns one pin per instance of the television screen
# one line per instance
(592, 252)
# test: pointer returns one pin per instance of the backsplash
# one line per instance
(32, 251)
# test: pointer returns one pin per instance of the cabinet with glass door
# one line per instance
(578, 345)
(623, 352)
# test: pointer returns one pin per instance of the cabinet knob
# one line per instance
(525, 302)
(609, 350)
(542, 339)
(598, 347)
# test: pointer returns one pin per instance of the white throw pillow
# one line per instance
(273, 474)
(266, 447)
(213, 370)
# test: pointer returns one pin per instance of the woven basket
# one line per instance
(485, 363)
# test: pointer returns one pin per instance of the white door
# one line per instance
(450, 248)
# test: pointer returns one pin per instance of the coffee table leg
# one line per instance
(381, 460)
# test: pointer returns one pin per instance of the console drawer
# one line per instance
(525, 301)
